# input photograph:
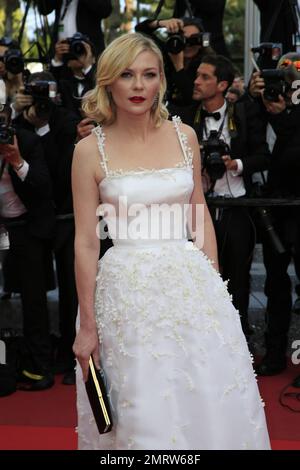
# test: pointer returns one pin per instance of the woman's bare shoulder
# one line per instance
(184, 128)
(86, 144)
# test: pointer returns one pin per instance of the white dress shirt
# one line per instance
(67, 26)
(231, 184)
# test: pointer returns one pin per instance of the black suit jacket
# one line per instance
(58, 148)
(284, 26)
(249, 144)
(284, 173)
(88, 18)
(68, 87)
(211, 12)
(35, 191)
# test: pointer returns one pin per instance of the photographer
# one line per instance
(279, 22)
(11, 66)
(73, 67)
(27, 211)
(184, 48)
(233, 148)
(56, 127)
(211, 14)
(283, 181)
(77, 15)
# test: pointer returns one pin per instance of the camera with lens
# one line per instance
(177, 42)
(269, 54)
(275, 84)
(42, 92)
(13, 61)
(77, 47)
(6, 131)
(212, 150)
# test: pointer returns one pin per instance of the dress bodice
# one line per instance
(146, 205)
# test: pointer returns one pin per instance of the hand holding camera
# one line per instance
(31, 116)
(275, 107)
(22, 100)
(257, 84)
(76, 48)
(173, 25)
(61, 48)
(231, 165)
(12, 154)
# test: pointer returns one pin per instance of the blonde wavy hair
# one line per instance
(97, 103)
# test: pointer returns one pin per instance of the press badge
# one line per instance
(61, 28)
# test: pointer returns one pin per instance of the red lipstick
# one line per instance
(137, 99)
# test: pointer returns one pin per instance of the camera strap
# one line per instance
(65, 9)
(161, 4)
(158, 9)
(220, 130)
(295, 13)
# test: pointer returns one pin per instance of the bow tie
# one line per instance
(205, 114)
(82, 80)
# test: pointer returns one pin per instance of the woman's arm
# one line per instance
(87, 249)
(200, 223)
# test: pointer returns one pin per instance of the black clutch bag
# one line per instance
(96, 391)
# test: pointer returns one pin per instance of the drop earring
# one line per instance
(155, 102)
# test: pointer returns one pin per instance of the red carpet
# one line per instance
(46, 420)
(283, 424)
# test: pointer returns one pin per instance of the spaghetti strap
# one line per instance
(98, 131)
(186, 150)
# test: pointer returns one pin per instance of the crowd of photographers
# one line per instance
(41, 120)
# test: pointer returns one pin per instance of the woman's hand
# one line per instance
(173, 25)
(87, 344)
(84, 128)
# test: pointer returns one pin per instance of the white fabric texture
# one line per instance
(177, 364)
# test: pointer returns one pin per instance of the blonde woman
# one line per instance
(155, 311)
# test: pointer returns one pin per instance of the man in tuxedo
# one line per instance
(75, 75)
(279, 20)
(27, 210)
(77, 15)
(58, 130)
(282, 182)
(239, 126)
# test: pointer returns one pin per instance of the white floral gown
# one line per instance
(177, 364)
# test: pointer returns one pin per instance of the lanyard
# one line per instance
(65, 9)
(220, 128)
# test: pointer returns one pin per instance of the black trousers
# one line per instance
(278, 286)
(235, 239)
(68, 302)
(31, 256)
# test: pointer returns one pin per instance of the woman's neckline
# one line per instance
(144, 171)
